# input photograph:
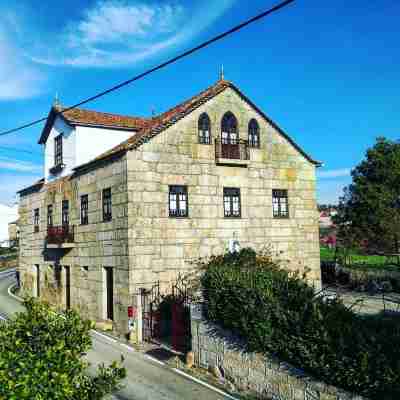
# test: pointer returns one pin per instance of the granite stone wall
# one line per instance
(162, 247)
(96, 245)
(215, 348)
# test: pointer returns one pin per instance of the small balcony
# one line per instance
(232, 153)
(60, 236)
(56, 169)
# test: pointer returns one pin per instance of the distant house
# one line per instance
(127, 203)
(13, 233)
(7, 215)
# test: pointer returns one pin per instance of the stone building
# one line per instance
(127, 202)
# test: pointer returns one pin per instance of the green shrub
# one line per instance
(278, 313)
(41, 357)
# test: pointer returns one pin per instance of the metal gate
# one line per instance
(151, 299)
(166, 317)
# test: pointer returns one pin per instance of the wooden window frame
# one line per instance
(50, 215)
(280, 197)
(229, 198)
(84, 209)
(181, 196)
(254, 133)
(204, 127)
(36, 220)
(58, 150)
(65, 212)
(107, 204)
(229, 129)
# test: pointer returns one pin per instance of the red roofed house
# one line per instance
(127, 203)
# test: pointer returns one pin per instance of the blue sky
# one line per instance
(326, 72)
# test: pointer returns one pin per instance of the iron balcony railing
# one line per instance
(60, 234)
(237, 150)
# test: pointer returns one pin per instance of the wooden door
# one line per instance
(110, 293)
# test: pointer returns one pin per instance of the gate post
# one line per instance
(139, 316)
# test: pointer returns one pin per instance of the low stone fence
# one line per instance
(360, 277)
(218, 349)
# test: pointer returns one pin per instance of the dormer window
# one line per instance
(58, 150)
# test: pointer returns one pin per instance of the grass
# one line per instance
(360, 260)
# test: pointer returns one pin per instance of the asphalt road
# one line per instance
(146, 380)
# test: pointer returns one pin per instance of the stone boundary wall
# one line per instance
(215, 348)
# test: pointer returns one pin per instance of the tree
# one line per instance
(369, 211)
(41, 357)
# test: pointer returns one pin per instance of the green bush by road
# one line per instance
(41, 357)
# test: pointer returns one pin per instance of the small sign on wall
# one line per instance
(196, 311)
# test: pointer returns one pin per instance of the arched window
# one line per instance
(254, 134)
(229, 129)
(204, 129)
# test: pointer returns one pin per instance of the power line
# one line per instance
(160, 66)
(19, 150)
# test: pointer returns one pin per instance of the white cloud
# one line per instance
(19, 79)
(121, 32)
(334, 173)
(19, 166)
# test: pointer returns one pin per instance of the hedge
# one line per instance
(276, 312)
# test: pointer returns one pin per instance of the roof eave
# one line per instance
(53, 114)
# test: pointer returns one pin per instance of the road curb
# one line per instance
(20, 299)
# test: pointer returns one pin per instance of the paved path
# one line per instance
(146, 380)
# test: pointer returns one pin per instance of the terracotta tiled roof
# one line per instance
(170, 117)
(165, 120)
(88, 117)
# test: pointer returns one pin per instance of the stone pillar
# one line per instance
(139, 317)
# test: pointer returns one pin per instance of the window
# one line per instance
(107, 205)
(50, 215)
(36, 220)
(58, 150)
(254, 134)
(280, 206)
(84, 209)
(229, 130)
(204, 129)
(232, 202)
(178, 201)
(65, 213)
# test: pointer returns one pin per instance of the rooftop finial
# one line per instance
(222, 73)
(56, 102)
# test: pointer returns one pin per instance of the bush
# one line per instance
(278, 313)
(41, 358)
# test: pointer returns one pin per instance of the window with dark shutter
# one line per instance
(65, 213)
(204, 129)
(254, 134)
(58, 150)
(178, 201)
(84, 209)
(50, 215)
(232, 207)
(107, 205)
(36, 220)
(280, 206)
